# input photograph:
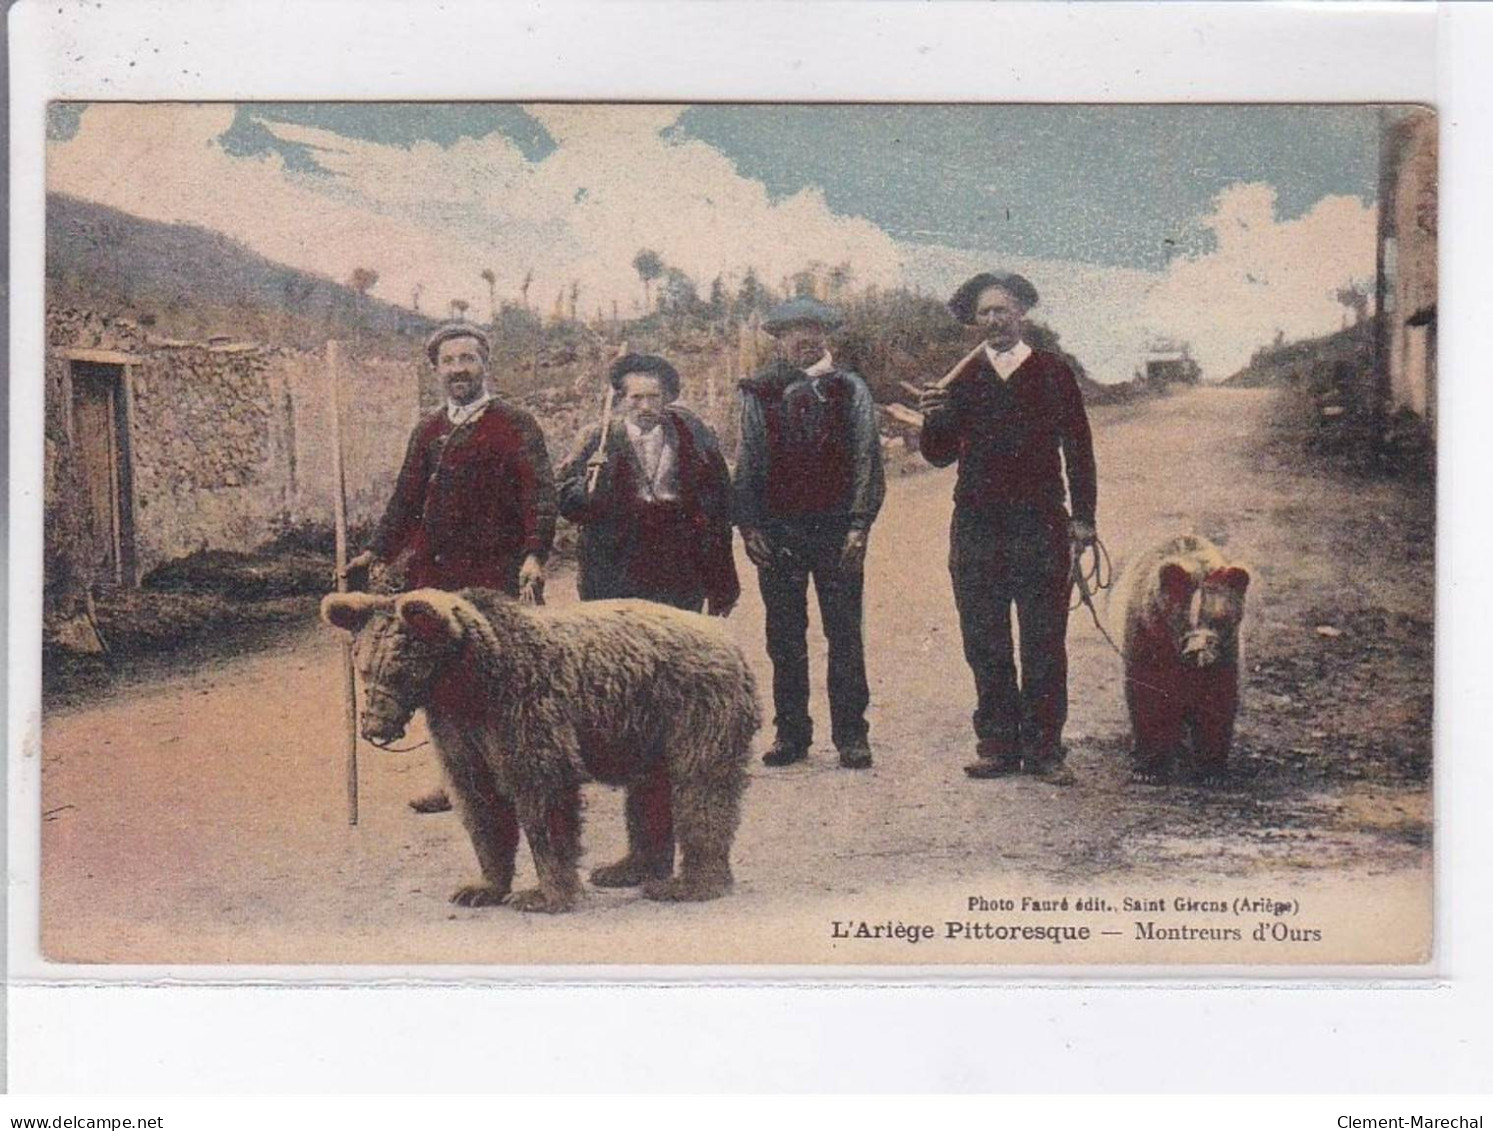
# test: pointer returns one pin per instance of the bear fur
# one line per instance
(524, 704)
(1183, 603)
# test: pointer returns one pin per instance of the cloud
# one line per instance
(621, 178)
(1264, 275)
(438, 215)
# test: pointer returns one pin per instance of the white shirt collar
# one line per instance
(638, 436)
(656, 455)
(461, 413)
(825, 364)
(1008, 361)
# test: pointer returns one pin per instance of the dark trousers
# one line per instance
(806, 551)
(1017, 556)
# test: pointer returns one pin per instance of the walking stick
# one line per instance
(598, 458)
(960, 367)
(339, 524)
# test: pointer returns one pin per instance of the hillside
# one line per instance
(190, 282)
(1292, 362)
(183, 281)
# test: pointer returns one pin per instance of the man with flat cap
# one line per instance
(809, 484)
(474, 504)
(656, 521)
(1014, 419)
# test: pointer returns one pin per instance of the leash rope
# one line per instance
(1091, 579)
(378, 673)
(1097, 579)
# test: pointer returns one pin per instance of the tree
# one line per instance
(840, 277)
(749, 296)
(362, 280)
(415, 296)
(491, 280)
(523, 288)
(649, 266)
(459, 307)
(575, 297)
(718, 302)
(1354, 297)
(678, 292)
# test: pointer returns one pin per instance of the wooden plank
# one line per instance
(100, 357)
(129, 533)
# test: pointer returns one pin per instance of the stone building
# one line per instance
(156, 448)
(1405, 345)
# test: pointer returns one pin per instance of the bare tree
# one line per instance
(523, 288)
(575, 297)
(459, 308)
(491, 280)
(415, 296)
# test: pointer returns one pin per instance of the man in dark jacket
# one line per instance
(474, 504)
(656, 523)
(1014, 420)
(809, 483)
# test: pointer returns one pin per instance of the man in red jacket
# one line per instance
(474, 505)
(1007, 419)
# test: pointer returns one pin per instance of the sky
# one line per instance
(1219, 226)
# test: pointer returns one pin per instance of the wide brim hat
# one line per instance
(801, 311)
(451, 330)
(652, 365)
(962, 305)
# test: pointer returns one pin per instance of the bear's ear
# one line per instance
(350, 611)
(1231, 577)
(1176, 583)
(430, 614)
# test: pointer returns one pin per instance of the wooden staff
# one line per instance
(961, 367)
(598, 458)
(339, 524)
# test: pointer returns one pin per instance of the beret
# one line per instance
(962, 305)
(802, 311)
(457, 330)
(648, 363)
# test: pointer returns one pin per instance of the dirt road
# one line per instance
(202, 820)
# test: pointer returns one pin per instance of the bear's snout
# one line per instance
(383, 720)
(1201, 649)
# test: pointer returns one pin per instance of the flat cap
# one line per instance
(652, 365)
(457, 330)
(801, 311)
(962, 305)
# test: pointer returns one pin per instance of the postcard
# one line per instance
(738, 535)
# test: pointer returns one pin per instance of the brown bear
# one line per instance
(1183, 604)
(524, 704)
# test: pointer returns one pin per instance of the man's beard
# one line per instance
(464, 390)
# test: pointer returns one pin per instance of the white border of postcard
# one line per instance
(107, 1028)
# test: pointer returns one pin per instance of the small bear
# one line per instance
(1183, 604)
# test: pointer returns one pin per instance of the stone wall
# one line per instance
(208, 449)
(379, 402)
(1413, 222)
(228, 442)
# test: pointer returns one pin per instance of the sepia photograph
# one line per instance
(834, 535)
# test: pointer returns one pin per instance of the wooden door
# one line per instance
(98, 447)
